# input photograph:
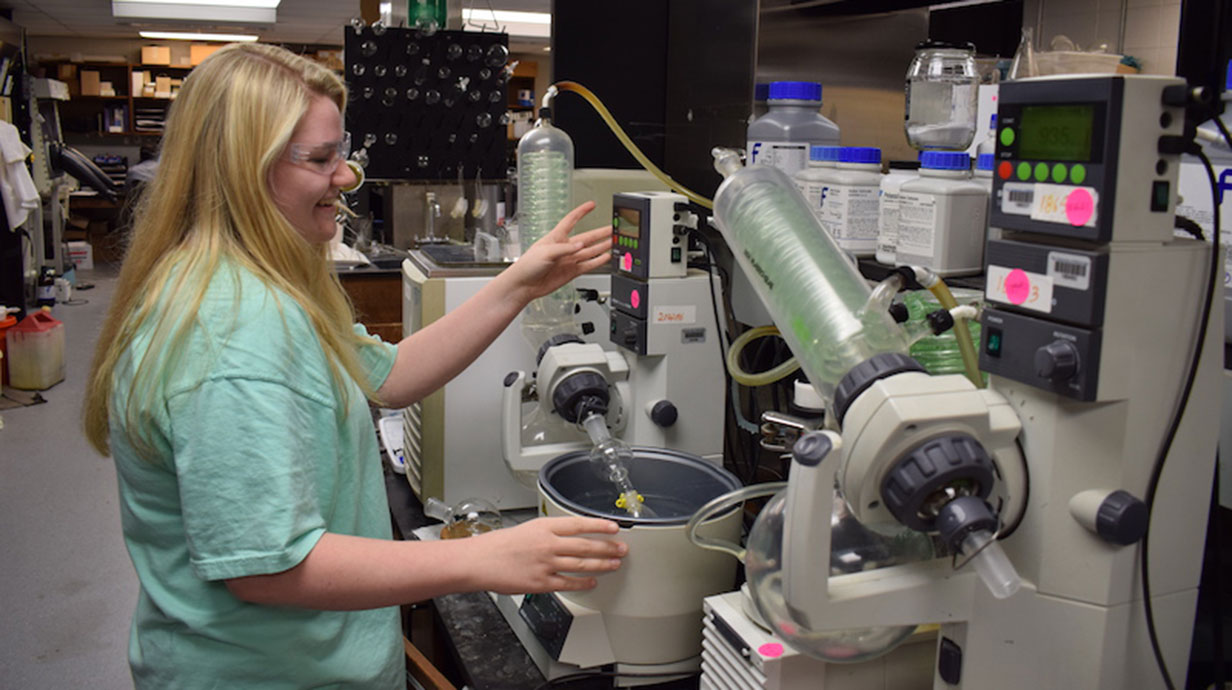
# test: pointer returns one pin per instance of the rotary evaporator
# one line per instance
(1094, 437)
(633, 434)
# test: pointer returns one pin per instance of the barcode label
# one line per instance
(1070, 270)
(1017, 198)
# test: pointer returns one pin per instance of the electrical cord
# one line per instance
(1174, 426)
(714, 269)
(1191, 228)
(1223, 130)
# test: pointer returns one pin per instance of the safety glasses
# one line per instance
(323, 158)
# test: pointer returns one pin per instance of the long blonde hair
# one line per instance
(211, 204)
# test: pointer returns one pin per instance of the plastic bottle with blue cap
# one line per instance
(942, 214)
(850, 207)
(814, 180)
(983, 170)
(887, 221)
(793, 123)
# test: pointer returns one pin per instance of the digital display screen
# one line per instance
(1056, 132)
(627, 222)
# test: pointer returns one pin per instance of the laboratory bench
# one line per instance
(376, 293)
(472, 637)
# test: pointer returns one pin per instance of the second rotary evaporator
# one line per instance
(1094, 434)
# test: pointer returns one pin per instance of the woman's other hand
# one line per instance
(558, 258)
(546, 555)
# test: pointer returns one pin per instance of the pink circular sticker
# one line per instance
(1017, 286)
(635, 298)
(626, 262)
(1079, 207)
(772, 650)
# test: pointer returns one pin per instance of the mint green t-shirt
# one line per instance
(258, 456)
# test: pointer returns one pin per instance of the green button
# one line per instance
(1041, 172)
(993, 344)
(1078, 173)
(1024, 171)
(1058, 173)
(1007, 136)
(634, 243)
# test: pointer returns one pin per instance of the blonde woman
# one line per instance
(230, 386)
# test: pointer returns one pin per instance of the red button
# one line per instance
(1005, 170)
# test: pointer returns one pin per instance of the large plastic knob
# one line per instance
(1057, 361)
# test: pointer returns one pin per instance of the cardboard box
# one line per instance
(200, 51)
(90, 83)
(181, 55)
(162, 87)
(105, 88)
(155, 55)
(66, 71)
(82, 254)
(139, 80)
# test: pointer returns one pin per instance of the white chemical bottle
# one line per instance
(850, 206)
(942, 216)
(887, 222)
(983, 170)
(814, 180)
(782, 137)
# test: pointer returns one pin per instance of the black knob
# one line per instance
(587, 328)
(664, 413)
(1057, 361)
(1122, 518)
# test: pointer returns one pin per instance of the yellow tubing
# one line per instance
(962, 333)
(764, 378)
(595, 103)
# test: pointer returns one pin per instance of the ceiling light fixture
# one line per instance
(184, 36)
(259, 4)
(215, 11)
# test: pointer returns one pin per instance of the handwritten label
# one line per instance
(1079, 207)
(1058, 203)
(1017, 286)
(685, 315)
(1020, 288)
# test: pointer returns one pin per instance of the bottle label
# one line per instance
(887, 227)
(815, 194)
(853, 214)
(917, 224)
(790, 157)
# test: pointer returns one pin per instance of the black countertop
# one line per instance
(488, 654)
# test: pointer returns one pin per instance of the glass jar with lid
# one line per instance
(942, 88)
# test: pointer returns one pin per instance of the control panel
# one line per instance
(1078, 158)
(649, 235)
(548, 619)
(1080, 187)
